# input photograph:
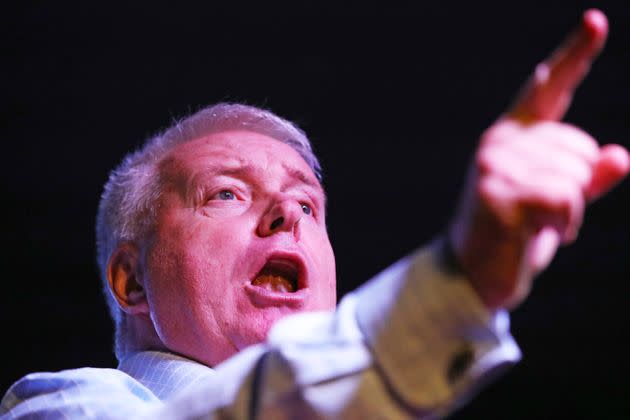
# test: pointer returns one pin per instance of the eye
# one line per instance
(306, 209)
(226, 195)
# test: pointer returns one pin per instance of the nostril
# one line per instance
(276, 223)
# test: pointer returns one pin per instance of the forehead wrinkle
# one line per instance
(302, 177)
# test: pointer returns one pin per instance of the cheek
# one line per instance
(324, 258)
(196, 254)
(172, 285)
(192, 297)
(192, 268)
(253, 324)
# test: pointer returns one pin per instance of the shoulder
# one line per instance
(85, 392)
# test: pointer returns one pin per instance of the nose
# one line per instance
(283, 216)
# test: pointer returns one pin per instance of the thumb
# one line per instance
(613, 165)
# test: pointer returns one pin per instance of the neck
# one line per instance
(135, 333)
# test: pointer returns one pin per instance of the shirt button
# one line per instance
(460, 362)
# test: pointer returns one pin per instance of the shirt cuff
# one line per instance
(430, 334)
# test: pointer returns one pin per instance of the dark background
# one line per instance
(393, 95)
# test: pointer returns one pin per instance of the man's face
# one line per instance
(240, 241)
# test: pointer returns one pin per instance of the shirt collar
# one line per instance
(164, 373)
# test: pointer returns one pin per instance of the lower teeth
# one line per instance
(274, 283)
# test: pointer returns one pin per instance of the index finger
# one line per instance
(548, 93)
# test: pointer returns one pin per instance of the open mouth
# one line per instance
(279, 275)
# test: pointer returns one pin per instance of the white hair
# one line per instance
(126, 211)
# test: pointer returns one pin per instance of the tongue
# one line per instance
(273, 283)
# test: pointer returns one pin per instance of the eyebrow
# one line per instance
(310, 182)
(302, 177)
(195, 182)
(193, 186)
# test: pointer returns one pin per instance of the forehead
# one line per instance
(234, 150)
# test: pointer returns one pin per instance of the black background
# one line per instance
(393, 95)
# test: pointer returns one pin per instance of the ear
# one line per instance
(124, 280)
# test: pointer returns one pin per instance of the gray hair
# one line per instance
(126, 212)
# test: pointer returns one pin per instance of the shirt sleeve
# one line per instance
(79, 393)
(415, 341)
(429, 333)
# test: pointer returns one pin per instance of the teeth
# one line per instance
(278, 275)
(274, 283)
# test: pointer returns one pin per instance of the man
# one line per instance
(216, 229)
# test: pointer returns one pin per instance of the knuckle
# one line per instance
(542, 73)
(485, 188)
(505, 128)
(484, 160)
(544, 129)
(569, 198)
(581, 135)
(492, 158)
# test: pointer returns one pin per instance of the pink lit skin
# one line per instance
(532, 177)
(209, 244)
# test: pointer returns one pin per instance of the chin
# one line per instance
(259, 327)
